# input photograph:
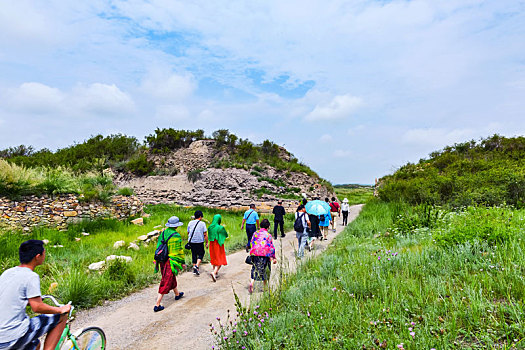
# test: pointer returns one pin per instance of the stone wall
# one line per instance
(60, 211)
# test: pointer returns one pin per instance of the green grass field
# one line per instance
(68, 266)
(390, 281)
(359, 195)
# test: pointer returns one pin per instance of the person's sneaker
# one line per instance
(177, 297)
(158, 308)
(283, 235)
(196, 270)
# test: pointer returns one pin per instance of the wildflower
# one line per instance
(413, 323)
(245, 333)
(308, 313)
(225, 338)
(234, 331)
(334, 289)
(255, 312)
(413, 334)
(410, 329)
(218, 318)
(378, 258)
(244, 347)
(258, 324)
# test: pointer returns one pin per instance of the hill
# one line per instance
(174, 166)
(490, 172)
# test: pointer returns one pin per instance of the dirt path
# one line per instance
(130, 323)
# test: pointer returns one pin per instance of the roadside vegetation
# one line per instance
(356, 194)
(67, 259)
(435, 263)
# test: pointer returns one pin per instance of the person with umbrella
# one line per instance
(314, 209)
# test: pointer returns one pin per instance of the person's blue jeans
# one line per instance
(302, 238)
(250, 230)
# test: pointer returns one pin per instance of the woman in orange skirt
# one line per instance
(216, 236)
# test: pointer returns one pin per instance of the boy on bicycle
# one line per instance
(19, 286)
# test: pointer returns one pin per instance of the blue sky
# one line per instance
(354, 89)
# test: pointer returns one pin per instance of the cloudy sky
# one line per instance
(354, 89)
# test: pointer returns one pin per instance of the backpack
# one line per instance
(321, 218)
(334, 206)
(161, 253)
(298, 224)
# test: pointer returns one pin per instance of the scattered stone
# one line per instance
(133, 246)
(118, 244)
(70, 213)
(120, 257)
(46, 241)
(146, 215)
(58, 246)
(158, 226)
(153, 233)
(139, 221)
(96, 266)
(142, 238)
(85, 234)
(78, 239)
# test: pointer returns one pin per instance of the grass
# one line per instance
(67, 266)
(358, 195)
(383, 284)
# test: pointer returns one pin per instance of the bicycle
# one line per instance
(89, 338)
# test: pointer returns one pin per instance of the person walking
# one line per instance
(262, 252)
(175, 263)
(324, 222)
(278, 219)
(251, 219)
(197, 235)
(335, 211)
(302, 235)
(345, 209)
(20, 286)
(217, 235)
(314, 231)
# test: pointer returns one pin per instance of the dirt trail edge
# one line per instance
(130, 323)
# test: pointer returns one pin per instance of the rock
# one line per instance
(120, 257)
(118, 244)
(133, 246)
(96, 266)
(153, 233)
(142, 238)
(78, 239)
(85, 234)
(158, 226)
(46, 241)
(139, 221)
(70, 213)
(145, 215)
(58, 246)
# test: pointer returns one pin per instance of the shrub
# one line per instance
(195, 175)
(125, 191)
(140, 165)
(166, 140)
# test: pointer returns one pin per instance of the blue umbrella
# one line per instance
(317, 207)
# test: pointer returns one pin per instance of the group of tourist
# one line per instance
(259, 244)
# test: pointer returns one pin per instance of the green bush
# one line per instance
(140, 165)
(125, 191)
(119, 270)
(195, 175)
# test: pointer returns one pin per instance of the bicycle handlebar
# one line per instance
(55, 301)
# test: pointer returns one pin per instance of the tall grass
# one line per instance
(67, 265)
(375, 290)
(359, 195)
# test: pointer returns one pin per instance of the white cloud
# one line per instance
(355, 130)
(34, 98)
(175, 113)
(340, 107)
(326, 138)
(101, 98)
(435, 137)
(339, 153)
(169, 87)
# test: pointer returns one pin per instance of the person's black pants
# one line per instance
(197, 252)
(345, 218)
(275, 225)
(250, 230)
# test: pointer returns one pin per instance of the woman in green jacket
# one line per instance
(175, 263)
(216, 236)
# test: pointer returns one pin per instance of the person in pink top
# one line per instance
(262, 251)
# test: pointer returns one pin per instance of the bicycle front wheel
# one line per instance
(91, 338)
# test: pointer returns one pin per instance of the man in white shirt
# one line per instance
(197, 235)
(19, 286)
